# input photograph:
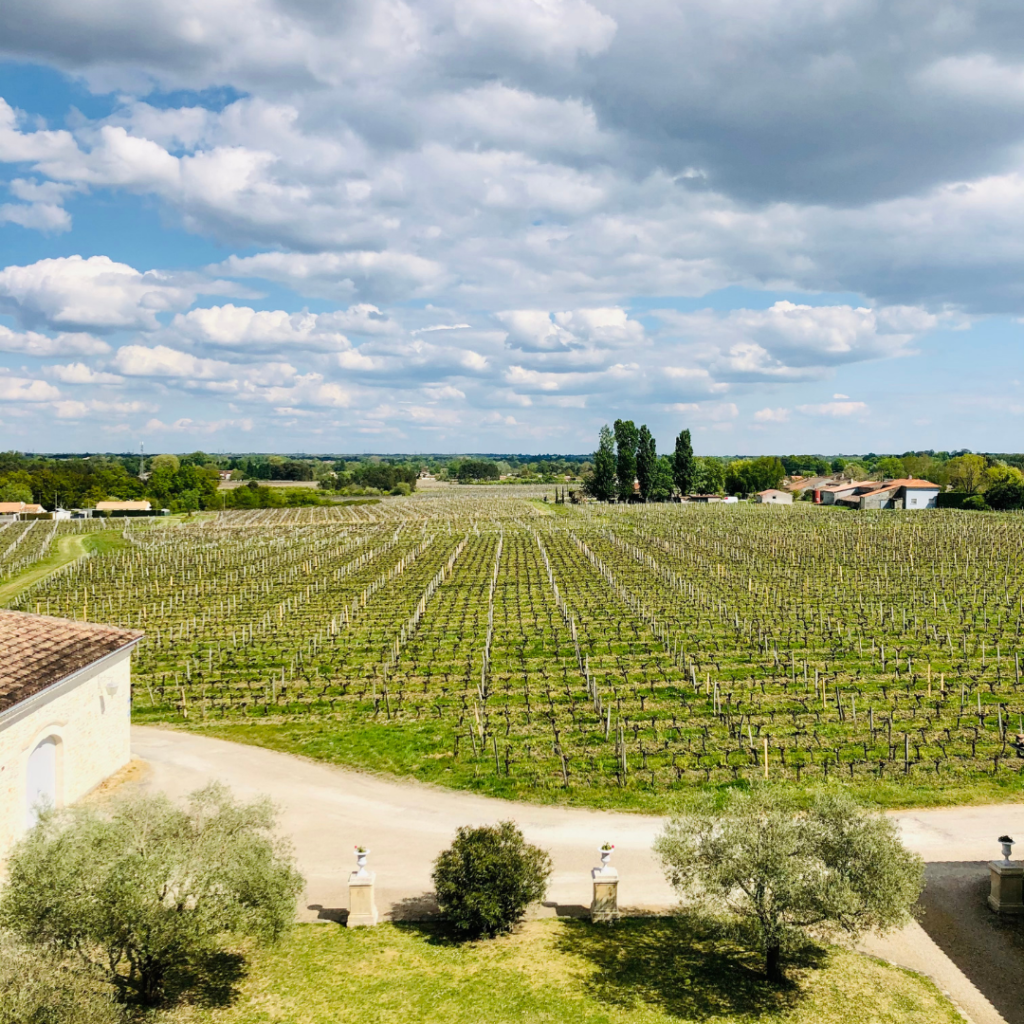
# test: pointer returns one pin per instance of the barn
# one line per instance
(65, 707)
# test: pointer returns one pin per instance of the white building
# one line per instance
(774, 497)
(898, 494)
(65, 707)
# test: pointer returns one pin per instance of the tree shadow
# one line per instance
(690, 967)
(209, 979)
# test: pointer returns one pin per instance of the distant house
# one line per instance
(224, 474)
(65, 698)
(898, 494)
(123, 506)
(704, 499)
(19, 509)
(773, 497)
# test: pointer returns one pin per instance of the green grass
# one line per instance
(63, 550)
(648, 971)
(413, 751)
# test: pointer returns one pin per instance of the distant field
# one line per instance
(230, 485)
(602, 655)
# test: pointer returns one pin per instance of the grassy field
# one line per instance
(653, 971)
(598, 655)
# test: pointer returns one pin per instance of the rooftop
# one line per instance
(37, 651)
(123, 506)
(11, 507)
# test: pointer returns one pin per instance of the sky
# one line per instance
(468, 225)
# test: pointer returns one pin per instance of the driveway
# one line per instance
(327, 810)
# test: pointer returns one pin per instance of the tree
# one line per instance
(39, 988)
(967, 473)
(15, 492)
(890, 468)
(1005, 495)
(747, 476)
(147, 891)
(834, 868)
(708, 476)
(661, 488)
(601, 483)
(626, 439)
(488, 877)
(838, 465)
(646, 462)
(170, 462)
(682, 463)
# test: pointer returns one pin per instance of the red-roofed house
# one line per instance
(65, 704)
(906, 494)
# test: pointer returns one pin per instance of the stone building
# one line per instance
(65, 713)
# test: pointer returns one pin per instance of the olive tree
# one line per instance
(146, 891)
(488, 877)
(834, 868)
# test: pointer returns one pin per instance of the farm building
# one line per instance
(65, 701)
(832, 493)
(123, 506)
(20, 509)
(774, 497)
(908, 494)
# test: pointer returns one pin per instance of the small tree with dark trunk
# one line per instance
(147, 891)
(833, 869)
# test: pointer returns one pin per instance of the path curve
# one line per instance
(326, 810)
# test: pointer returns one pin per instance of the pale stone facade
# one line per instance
(86, 717)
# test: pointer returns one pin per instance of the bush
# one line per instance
(488, 877)
(147, 892)
(36, 988)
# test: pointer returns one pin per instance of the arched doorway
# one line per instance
(41, 779)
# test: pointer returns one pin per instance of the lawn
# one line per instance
(643, 971)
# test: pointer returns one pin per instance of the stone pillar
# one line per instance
(362, 910)
(605, 906)
(1006, 896)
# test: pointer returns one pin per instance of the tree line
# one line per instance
(627, 467)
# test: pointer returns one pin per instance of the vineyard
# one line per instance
(609, 655)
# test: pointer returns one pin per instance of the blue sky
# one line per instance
(463, 226)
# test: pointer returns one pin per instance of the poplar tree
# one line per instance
(682, 465)
(601, 484)
(646, 462)
(626, 439)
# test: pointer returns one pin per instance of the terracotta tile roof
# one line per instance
(11, 507)
(122, 506)
(892, 485)
(37, 651)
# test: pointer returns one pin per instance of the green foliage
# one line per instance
(838, 465)
(747, 476)
(1005, 495)
(967, 473)
(662, 484)
(708, 476)
(834, 868)
(601, 483)
(10, 491)
(476, 469)
(683, 467)
(626, 440)
(171, 462)
(488, 877)
(646, 462)
(39, 988)
(890, 468)
(147, 891)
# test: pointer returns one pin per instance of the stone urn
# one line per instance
(1007, 846)
(361, 855)
(606, 855)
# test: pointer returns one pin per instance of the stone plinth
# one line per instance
(1007, 895)
(605, 905)
(362, 910)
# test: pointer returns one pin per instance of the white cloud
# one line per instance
(834, 409)
(65, 344)
(245, 329)
(79, 373)
(23, 389)
(771, 416)
(88, 294)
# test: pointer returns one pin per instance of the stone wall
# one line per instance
(93, 732)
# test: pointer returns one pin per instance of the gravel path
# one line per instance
(327, 810)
